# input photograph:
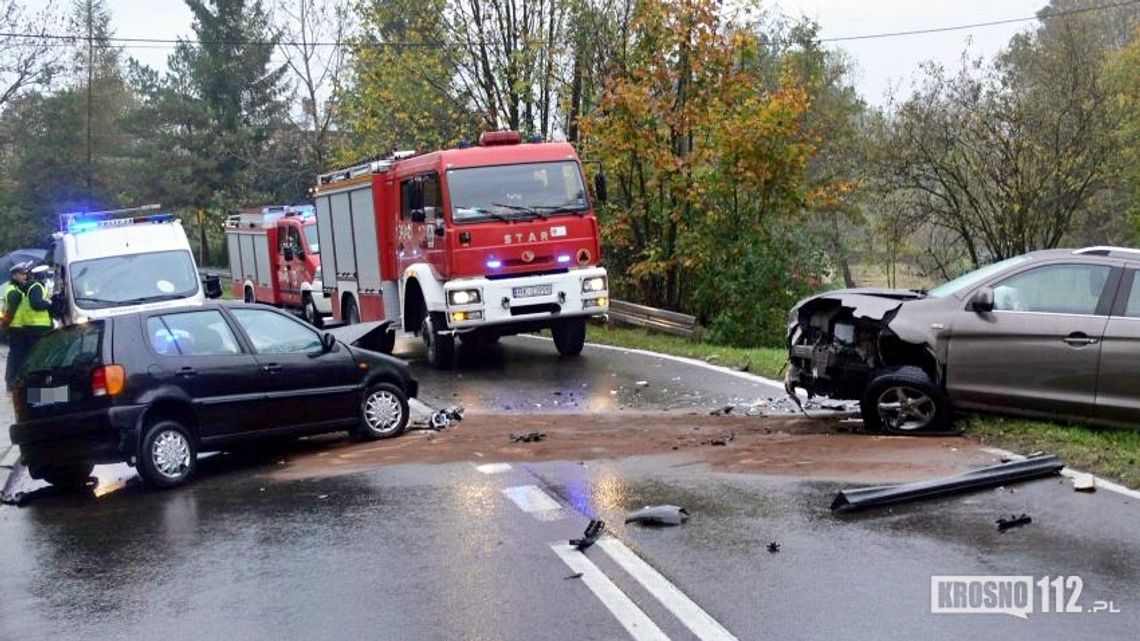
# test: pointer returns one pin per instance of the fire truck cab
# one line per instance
(477, 242)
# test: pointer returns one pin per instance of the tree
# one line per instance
(28, 56)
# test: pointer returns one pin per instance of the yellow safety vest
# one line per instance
(4, 291)
(25, 316)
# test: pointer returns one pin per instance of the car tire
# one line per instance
(905, 400)
(383, 413)
(67, 477)
(569, 336)
(479, 340)
(351, 315)
(249, 297)
(168, 456)
(309, 311)
(440, 347)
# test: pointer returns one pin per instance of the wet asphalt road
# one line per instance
(443, 552)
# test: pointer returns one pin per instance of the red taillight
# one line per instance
(108, 380)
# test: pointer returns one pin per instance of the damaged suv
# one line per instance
(1053, 333)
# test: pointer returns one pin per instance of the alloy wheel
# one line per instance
(906, 409)
(171, 454)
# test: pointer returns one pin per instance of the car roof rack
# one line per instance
(1107, 250)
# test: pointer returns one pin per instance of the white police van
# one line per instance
(115, 262)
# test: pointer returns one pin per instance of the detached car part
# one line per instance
(986, 477)
(658, 515)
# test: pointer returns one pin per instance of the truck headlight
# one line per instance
(464, 297)
(595, 284)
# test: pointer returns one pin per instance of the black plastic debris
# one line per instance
(576, 575)
(774, 547)
(723, 440)
(658, 515)
(527, 437)
(1013, 521)
(441, 419)
(986, 477)
(590, 536)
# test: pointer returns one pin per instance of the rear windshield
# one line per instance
(77, 345)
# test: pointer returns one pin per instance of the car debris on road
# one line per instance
(1004, 524)
(658, 515)
(986, 477)
(527, 437)
(774, 547)
(1084, 482)
(593, 532)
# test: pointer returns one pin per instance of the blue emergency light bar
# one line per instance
(79, 222)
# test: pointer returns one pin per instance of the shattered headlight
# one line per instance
(464, 297)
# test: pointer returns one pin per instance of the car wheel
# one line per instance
(479, 340)
(905, 401)
(570, 336)
(249, 298)
(312, 316)
(440, 347)
(351, 314)
(169, 456)
(67, 477)
(383, 412)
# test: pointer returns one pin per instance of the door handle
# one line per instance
(187, 372)
(271, 368)
(1080, 339)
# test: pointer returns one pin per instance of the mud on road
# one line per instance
(775, 445)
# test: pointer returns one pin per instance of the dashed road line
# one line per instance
(535, 502)
(692, 615)
(631, 617)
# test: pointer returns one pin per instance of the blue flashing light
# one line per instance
(494, 264)
(79, 226)
(564, 259)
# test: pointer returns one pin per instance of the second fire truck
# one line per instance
(477, 242)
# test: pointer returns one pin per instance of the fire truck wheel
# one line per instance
(570, 336)
(351, 315)
(312, 316)
(249, 295)
(440, 347)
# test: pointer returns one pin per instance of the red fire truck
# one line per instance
(275, 259)
(477, 242)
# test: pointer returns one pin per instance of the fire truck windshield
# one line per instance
(510, 191)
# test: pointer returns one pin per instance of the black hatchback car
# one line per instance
(155, 388)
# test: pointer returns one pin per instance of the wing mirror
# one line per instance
(289, 253)
(213, 286)
(983, 300)
(418, 216)
(328, 342)
(440, 229)
(600, 186)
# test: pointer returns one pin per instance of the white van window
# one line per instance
(133, 279)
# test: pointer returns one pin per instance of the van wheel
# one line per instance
(312, 316)
(905, 401)
(570, 336)
(351, 315)
(440, 347)
(249, 298)
(383, 413)
(67, 477)
(169, 456)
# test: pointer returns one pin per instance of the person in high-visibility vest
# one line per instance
(27, 317)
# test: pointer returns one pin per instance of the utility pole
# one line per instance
(90, 78)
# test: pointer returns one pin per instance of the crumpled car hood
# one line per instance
(864, 302)
(364, 335)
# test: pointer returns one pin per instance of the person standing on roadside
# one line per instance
(27, 318)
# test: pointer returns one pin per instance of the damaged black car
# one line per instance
(1052, 334)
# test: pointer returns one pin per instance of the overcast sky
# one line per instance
(880, 63)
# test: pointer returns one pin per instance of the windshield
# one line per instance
(969, 279)
(512, 191)
(133, 279)
(77, 345)
(311, 242)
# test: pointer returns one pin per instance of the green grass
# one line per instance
(1111, 453)
(764, 361)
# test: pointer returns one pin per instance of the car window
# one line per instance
(273, 333)
(76, 345)
(1132, 308)
(204, 333)
(1058, 289)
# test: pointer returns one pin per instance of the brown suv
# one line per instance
(1053, 333)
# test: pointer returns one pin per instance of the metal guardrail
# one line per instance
(658, 319)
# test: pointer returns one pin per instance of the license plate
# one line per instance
(531, 290)
(47, 395)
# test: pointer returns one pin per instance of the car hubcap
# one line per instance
(382, 411)
(171, 454)
(906, 409)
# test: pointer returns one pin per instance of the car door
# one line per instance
(304, 385)
(1118, 380)
(199, 352)
(1038, 350)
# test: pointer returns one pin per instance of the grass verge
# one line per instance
(1111, 453)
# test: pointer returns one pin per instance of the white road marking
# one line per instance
(1069, 473)
(631, 617)
(494, 468)
(535, 502)
(680, 359)
(692, 615)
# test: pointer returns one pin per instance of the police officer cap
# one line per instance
(23, 266)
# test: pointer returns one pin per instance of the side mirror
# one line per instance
(982, 301)
(289, 253)
(418, 216)
(328, 342)
(213, 286)
(600, 186)
(440, 229)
